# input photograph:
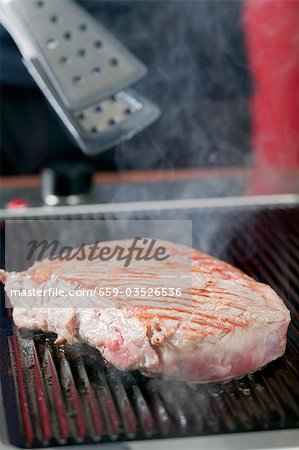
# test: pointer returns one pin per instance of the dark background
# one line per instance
(198, 76)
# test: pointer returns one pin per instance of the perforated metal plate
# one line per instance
(108, 113)
(105, 123)
(81, 58)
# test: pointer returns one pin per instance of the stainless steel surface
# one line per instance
(279, 440)
(103, 124)
(164, 189)
(261, 201)
(108, 112)
(84, 62)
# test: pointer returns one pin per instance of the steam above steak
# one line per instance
(189, 316)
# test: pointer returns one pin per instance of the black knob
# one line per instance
(66, 183)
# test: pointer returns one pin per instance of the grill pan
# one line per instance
(70, 395)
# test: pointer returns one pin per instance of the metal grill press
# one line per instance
(69, 394)
(82, 59)
(82, 70)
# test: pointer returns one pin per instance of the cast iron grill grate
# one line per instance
(68, 394)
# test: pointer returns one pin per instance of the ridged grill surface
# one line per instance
(68, 394)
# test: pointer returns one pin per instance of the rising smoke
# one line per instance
(197, 75)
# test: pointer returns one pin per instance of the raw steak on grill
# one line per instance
(223, 325)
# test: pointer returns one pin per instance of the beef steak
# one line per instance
(222, 325)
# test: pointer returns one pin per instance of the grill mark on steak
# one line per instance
(179, 317)
(223, 325)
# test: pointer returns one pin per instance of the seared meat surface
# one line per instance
(221, 325)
